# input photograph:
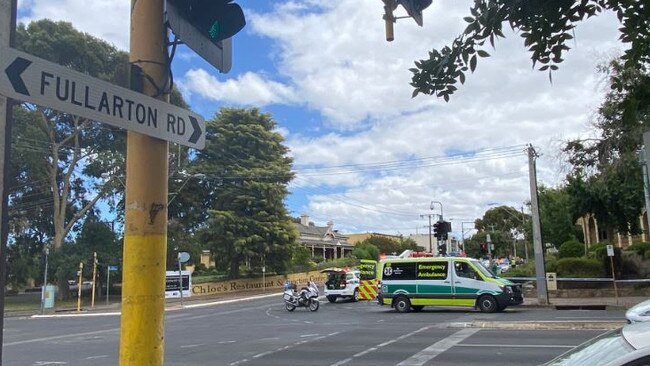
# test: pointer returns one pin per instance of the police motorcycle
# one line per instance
(306, 297)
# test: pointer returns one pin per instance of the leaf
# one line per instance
(543, 68)
(462, 78)
(482, 53)
(472, 63)
(469, 19)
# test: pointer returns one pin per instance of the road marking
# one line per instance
(96, 357)
(372, 349)
(513, 345)
(437, 348)
(226, 342)
(309, 335)
(58, 337)
(284, 348)
(193, 345)
(39, 363)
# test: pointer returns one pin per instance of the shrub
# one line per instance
(640, 248)
(571, 249)
(528, 269)
(579, 267)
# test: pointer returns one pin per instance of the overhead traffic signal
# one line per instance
(414, 8)
(215, 19)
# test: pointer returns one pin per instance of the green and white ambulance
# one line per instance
(411, 283)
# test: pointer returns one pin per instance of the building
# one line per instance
(323, 241)
(357, 238)
(594, 234)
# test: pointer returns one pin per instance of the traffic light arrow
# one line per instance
(197, 130)
(13, 71)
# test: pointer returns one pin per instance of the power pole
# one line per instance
(7, 36)
(540, 272)
(644, 163)
(430, 239)
(145, 230)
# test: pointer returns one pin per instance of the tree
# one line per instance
(502, 218)
(545, 26)
(606, 179)
(558, 224)
(59, 158)
(365, 251)
(247, 171)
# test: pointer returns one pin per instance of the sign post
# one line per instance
(182, 258)
(108, 279)
(610, 254)
(35, 80)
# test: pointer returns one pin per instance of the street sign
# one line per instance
(183, 257)
(34, 80)
(112, 268)
(610, 250)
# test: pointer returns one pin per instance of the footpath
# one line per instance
(113, 308)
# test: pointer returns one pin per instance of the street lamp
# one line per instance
(432, 207)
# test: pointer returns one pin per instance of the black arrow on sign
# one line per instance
(13, 72)
(197, 130)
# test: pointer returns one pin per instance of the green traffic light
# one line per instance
(214, 30)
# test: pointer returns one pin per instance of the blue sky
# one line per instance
(367, 155)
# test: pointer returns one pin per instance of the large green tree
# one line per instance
(558, 223)
(606, 179)
(60, 160)
(547, 29)
(247, 169)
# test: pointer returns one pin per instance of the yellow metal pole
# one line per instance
(92, 302)
(145, 232)
(81, 267)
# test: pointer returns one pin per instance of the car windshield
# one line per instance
(486, 272)
(598, 351)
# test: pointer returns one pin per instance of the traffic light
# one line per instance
(437, 229)
(414, 8)
(442, 249)
(215, 19)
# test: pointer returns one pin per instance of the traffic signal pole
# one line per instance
(145, 231)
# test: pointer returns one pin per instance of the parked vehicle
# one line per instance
(627, 346)
(306, 297)
(639, 312)
(341, 283)
(412, 283)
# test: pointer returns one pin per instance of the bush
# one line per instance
(640, 248)
(571, 249)
(528, 269)
(366, 251)
(579, 267)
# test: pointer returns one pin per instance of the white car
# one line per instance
(341, 283)
(639, 312)
(627, 346)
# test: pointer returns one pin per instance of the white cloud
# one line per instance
(105, 19)
(248, 89)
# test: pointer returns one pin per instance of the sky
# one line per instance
(367, 155)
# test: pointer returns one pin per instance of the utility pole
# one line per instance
(145, 231)
(430, 238)
(540, 272)
(7, 36)
(644, 163)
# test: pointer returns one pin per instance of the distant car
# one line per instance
(639, 312)
(627, 346)
(341, 283)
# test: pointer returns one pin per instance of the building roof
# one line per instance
(320, 235)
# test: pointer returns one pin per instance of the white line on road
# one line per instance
(193, 345)
(96, 357)
(309, 335)
(284, 348)
(372, 349)
(39, 363)
(437, 348)
(58, 337)
(513, 345)
(226, 342)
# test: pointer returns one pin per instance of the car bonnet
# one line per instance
(637, 335)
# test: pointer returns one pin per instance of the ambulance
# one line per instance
(410, 284)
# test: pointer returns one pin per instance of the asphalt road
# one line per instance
(262, 332)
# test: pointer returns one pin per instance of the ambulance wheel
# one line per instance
(331, 298)
(417, 308)
(355, 296)
(487, 304)
(402, 304)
